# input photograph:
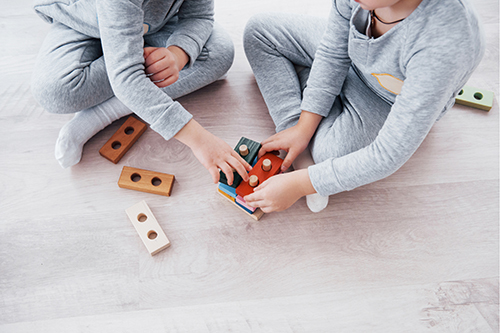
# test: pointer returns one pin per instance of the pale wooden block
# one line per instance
(147, 227)
(146, 181)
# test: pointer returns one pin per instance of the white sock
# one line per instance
(86, 123)
(315, 202)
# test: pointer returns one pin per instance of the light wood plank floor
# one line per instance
(416, 252)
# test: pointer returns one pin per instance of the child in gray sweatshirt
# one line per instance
(359, 91)
(105, 59)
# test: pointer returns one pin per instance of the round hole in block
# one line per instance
(461, 92)
(254, 181)
(152, 234)
(478, 96)
(135, 177)
(142, 217)
(129, 130)
(116, 145)
(156, 181)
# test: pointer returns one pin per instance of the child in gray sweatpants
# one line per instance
(105, 59)
(358, 91)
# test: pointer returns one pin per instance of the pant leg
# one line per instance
(70, 71)
(352, 124)
(275, 44)
(213, 62)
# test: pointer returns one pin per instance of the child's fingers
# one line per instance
(228, 171)
(239, 167)
(148, 50)
(290, 157)
(214, 172)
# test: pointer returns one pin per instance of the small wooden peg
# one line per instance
(267, 165)
(254, 181)
(243, 150)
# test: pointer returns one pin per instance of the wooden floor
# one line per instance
(416, 252)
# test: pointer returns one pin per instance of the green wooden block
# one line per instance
(253, 150)
(475, 98)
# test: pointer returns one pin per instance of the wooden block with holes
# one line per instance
(266, 167)
(146, 181)
(476, 98)
(246, 148)
(147, 227)
(123, 139)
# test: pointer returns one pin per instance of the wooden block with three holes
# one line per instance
(123, 139)
(147, 227)
(146, 181)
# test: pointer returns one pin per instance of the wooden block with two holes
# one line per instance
(475, 98)
(146, 181)
(147, 227)
(266, 167)
(248, 149)
(123, 139)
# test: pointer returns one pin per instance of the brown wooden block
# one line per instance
(123, 139)
(146, 181)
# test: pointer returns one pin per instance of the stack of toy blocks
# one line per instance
(267, 166)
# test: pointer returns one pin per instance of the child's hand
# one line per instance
(281, 191)
(212, 152)
(164, 64)
(293, 140)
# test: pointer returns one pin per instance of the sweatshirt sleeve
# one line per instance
(121, 31)
(196, 20)
(331, 62)
(433, 71)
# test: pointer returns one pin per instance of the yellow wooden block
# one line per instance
(147, 227)
(475, 98)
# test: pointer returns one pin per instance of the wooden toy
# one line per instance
(255, 215)
(123, 139)
(147, 227)
(246, 188)
(240, 201)
(146, 181)
(476, 98)
(249, 150)
(231, 191)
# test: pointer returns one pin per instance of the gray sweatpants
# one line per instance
(281, 49)
(70, 71)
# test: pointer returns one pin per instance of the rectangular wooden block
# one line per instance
(255, 215)
(147, 227)
(146, 181)
(253, 150)
(476, 98)
(227, 189)
(240, 201)
(245, 189)
(226, 195)
(123, 139)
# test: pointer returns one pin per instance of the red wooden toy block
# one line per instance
(244, 188)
